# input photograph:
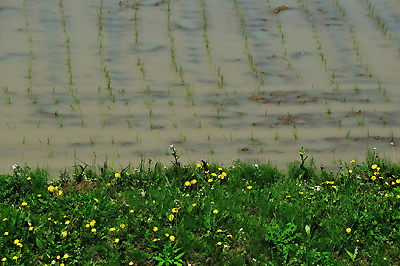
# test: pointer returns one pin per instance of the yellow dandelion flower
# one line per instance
(130, 263)
(94, 230)
(171, 217)
(58, 257)
(116, 240)
(39, 195)
(172, 238)
(24, 203)
(224, 174)
(373, 177)
(96, 200)
(4, 259)
(5, 219)
(62, 264)
(219, 243)
(212, 202)
(175, 210)
(19, 245)
(16, 241)
(122, 225)
(219, 230)
(219, 168)
(117, 175)
(386, 183)
(187, 183)
(228, 235)
(64, 233)
(334, 187)
(288, 196)
(92, 222)
(15, 257)
(194, 181)
(112, 229)
(352, 161)
(187, 195)
(213, 174)
(65, 256)
(249, 187)
(6, 233)
(380, 177)
(207, 171)
(348, 230)
(215, 211)
(350, 171)
(194, 204)
(155, 240)
(374, 166)
(60, 193)
(378, 168)
(30, 228)
(67, 222)
(131, 211)
(108, 184)
(28, 178)
(51, 188)
(199, 165)
(398, 197)
(397, 181)
(209, 180)
(386, 195)
(155, 229)
(53, 262)
(167, 235)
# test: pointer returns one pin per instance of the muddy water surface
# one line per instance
(221, 80)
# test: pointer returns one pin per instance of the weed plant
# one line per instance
(203, 214)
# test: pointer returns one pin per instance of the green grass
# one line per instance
(243, 214)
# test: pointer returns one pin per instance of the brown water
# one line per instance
(52, 120)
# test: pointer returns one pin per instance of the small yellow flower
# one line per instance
(373, 177)
(398, 197)
(67, 222)
(301, 192)
(213, 174)
(122, 225)
(187, 195)
(64, 233)
(87, 225)
(24, 203)
(219, 243)
(108, 184)
(219, 230)
(167, 235)
(39, 195)
(19, 245)
(171, 217)
(5, 219)
(112, 229)
(49, 218)
(53, 262)
(131, 211)
(65, 256)
(117, 175)
(51, 188)
(92, 222)
(4, 259)
(352, 161)
(155, 229)
(96, 200)
(249, 187)
(194, 181)
(334, 187)
(212, 202)
(374, 166)
(348, 230)
(155, 240)
(28, 178)
(207, 171)
(380, 177)
(6, 233)
(60, 192)
(224, 174)
(130, 263)
(378, 168)
(397, 181)
(209, 180)
(15, 257)
(219, 168)
(215, 211)
(116, 240)
(187, 183)
(228, 235)
(16, 241)
(386, 195)
(199, 165)
(288, 196)
(386, 183)
(172, 238)
(58, 257)
(350, 171)
(175, 210)
(30, 228)
(62, 264)
(194, 204)
(94, 230)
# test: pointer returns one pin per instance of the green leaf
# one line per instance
(39, 243)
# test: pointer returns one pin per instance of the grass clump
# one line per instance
(203, 214)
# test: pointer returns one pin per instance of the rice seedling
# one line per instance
(360, 121)
(92, 141)
(208, 135)
(152, 125)
(277, 135)
(182, 137)
(339, 121)
(385, 120)
(348, 134)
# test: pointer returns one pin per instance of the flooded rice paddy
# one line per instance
(83, 81)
